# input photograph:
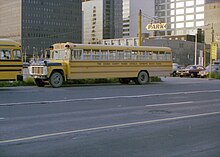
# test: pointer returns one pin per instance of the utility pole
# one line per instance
(140, 28)
(210, 65)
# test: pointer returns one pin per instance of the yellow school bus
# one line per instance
(11, 63)
(82, 61)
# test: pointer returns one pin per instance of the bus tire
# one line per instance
(39, 82)
(143, 78)
(56, 80)
(124, 80)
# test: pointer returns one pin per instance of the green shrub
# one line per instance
(30, 81)
(25, 82)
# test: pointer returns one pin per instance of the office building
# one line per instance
(130, 16)
(102, 19)
(182, 16)
(212, 21)
(37, 24)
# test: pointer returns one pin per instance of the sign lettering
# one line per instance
(157, 26)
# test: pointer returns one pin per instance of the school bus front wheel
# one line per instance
(56, 80)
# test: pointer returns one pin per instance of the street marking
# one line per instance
(106, 98)
(107, 127)
(169, 104)
(1, 118)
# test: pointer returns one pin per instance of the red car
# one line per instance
(190, 70)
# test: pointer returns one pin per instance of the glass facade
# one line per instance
(42, 23)
(102, 20)
(131, 10)
(182, 16)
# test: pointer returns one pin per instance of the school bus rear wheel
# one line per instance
(143, 78)
(56, 79)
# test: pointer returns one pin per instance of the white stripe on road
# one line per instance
(107, 127)
(169, 104)
(1, 118)
(106, 98)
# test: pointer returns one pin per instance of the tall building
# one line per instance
(102, 19)
(37, 24)
(130, 16)
(212, 19)
(182, 16)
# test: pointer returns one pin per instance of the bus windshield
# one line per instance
(60, 55)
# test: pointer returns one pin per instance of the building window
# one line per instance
(189, 24)
(199, 16)
(179, 25)
(199, 9)
(179, 18)
(179, 11)
(189, 17)
(199, 23)
(179, 4)
(190, 10)
(189, 3)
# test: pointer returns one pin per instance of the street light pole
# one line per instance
(195, 48)
(140, 28)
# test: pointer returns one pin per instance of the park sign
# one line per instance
(214, 47)
(156, 26)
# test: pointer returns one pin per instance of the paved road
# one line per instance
(176, 118)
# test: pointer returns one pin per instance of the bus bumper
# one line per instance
(19, 77)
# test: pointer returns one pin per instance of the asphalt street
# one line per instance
(179, 117)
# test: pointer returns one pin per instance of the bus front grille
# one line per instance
(37, 70)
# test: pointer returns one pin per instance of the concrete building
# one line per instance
(183, 50)
(130, 16)
(182, 16)
(37, 24)
(212, 19)
(102, 20)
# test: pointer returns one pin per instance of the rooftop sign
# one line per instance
(156, 26)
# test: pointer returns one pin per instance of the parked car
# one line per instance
(205, 73)
(190, 70)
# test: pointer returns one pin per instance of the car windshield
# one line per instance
(191, 67)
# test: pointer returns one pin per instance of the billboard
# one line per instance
(214, 47)
(156, 26)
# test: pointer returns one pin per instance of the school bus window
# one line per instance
(59, 55)
(95, 55)
(104, 54)
(86, 54)
(5, 54)
(140, 55)
(120, 55)
(168, 56)
(112, 55)
(17, 54)
(161, 55)
(155, 55)
(127, 55)
(134, 55)
(76, 54)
